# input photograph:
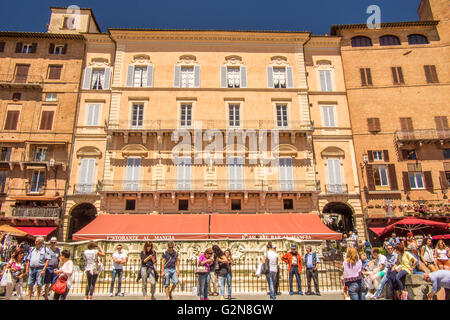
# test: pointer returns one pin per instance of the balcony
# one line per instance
(250, 185)
(48, 160)
(336, 189)
(85, 189)
(422, 136)
(36, 212)
(12, 81)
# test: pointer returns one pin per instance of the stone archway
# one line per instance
(339, 217)
(80, 217)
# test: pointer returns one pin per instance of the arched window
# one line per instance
(389, 40)
(361, 41)
(417, 39)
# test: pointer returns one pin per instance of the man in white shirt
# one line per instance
(272, 256)
(120, 259)
(378, 271)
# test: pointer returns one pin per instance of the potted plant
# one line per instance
(2, 213)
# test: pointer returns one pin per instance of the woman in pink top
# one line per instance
(353, 275)
(205, 259)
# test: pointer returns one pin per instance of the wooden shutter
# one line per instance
(370, 155)
(400, 75)
(428, 181)
(223, 77)
(149, 76)
(2, 46)
(441, 122)
(373, 124)
(434, 76)
(19, 46)
(130, 76)
(107, 83)
(403, 154)
(406, 185)
(64, 51)
(87, 78)
(377, 126)
(51, 48)
(22, 73)
(269, 77)
(197, 76)
(369, 76)
(394, 75)
(54, 72)
(12, 117)
(386, 155)
(406, 124)
(243, 77)
(290, 77)
(370, 124)
(370, 177)
(34, 48)
(363, 77)
(46, 120)
(177, 77)
(392, 177)
(443, 180)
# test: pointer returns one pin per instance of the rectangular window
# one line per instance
(325, 80)
(21, 74)
(279, 77)
(186, 115)
(329, 116)
(46, 120)
(140, 77)
(5, 153)
(187, 77)
(334, 175)
(282, 117)
(93, 115)
(374, 124)
(234, 115)
(235, 173)
(406, 124)
(133, 174)
(137, 116)
(27, 48)
(446, 153)
(183, 204)
(98, 79)
(130, 204)
(233, 77)
(12, 118)
(378, 155)
(236, 204)
(87, 176)
(59, 49)
(397, 75)
(381, 176)
(184, 174)
(366, 76)
(288, 204)
(441, 123)
(416, 180)
(447, 176)
(40, 155)
(286, 174)
(37, 181)
(431, 74)
(54, 72)
(50, 97)
(3, 176)
(2, 46)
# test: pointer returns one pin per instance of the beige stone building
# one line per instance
(397, 80)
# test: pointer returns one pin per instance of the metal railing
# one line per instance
(209, 185)
(13, 79)
(425, 134)
(85, 188)
(244, 279)
(336, 188)
(36, 212)
(162, 125)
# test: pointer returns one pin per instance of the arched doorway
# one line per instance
(339, 217)
(80, 217)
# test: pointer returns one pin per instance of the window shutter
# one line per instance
(64, 51)
(51, 48)
(403, 154)
(370, 124)
(243, 77)
(46, 120)
(290, 77)
(34, 48)
(2, 46)
(149, 76)
(55, 72)
(96, 114)
(323, 81)
(177, 77)
(370, 155)
(87, 78)
(370, 177)
(441, 123)
(269, 77)
(12, 117)
(400, 75)
(428, 181)
(107, 83)
(19, 46)
(434, 76)
(386, 155)
(41, 180)
(197, 77)
(443, 180)
(363, 77)
(392, 177)
(428, 74)
(130, 76)
(369, 76)
(377, 125)
(406, 124)
(406, 185)
(223, 77)
(394, 75)
(90, 115)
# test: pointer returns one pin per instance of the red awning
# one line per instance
(377, 231)
(260, 226)
(442, 237)
(129, 227)
(37, 231)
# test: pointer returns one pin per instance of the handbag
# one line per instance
(258, 269)
(60, 285)
(6, 279)
(201, 269)
(265, 268)
(98, 266)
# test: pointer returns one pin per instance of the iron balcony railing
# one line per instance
(48, 159)
(36, 212)
(426, 134)
(85, 188)
(162, 125)
(336, 188)
(20, 80)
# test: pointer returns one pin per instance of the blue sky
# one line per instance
(306, 15)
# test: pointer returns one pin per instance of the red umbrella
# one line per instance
(442, 237)
(414, 225)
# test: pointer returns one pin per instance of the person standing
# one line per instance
(272, 257)
(91, 255)
(16, 268)
(276, 284)
(120, 259)
(294, 262)
(368, 249)
(170, 266)
(37, 262)
(353, 275)
(148, 262)
(312, 261)
(222, 270)
(50, 276)
(205, 259)
(214, 277)
(229, 276)
(439, 279)
(66, 272)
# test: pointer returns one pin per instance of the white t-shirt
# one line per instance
(67, 268)
(273, 260)
(119, 256)
(91, 258)
(381, 260)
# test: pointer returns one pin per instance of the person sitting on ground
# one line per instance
(441, 254)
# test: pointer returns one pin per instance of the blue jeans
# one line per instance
(356, 290)
(382, 284)
(203, 284)
(294, 272)
(271, 280)
(113, 280)
(222, 280)
(170, 274)
(50, 276)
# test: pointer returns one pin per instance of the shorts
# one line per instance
(443, 263)
(34, 277)
(170, 274)
(50, 276)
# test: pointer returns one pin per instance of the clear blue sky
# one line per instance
(306, 15)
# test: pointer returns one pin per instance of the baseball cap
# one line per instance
(293, 246)
(53, 239)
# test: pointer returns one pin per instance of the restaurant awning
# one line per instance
(377, 231)
(129, 227)
(262, 226)
(4, 228)
(37, 231)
